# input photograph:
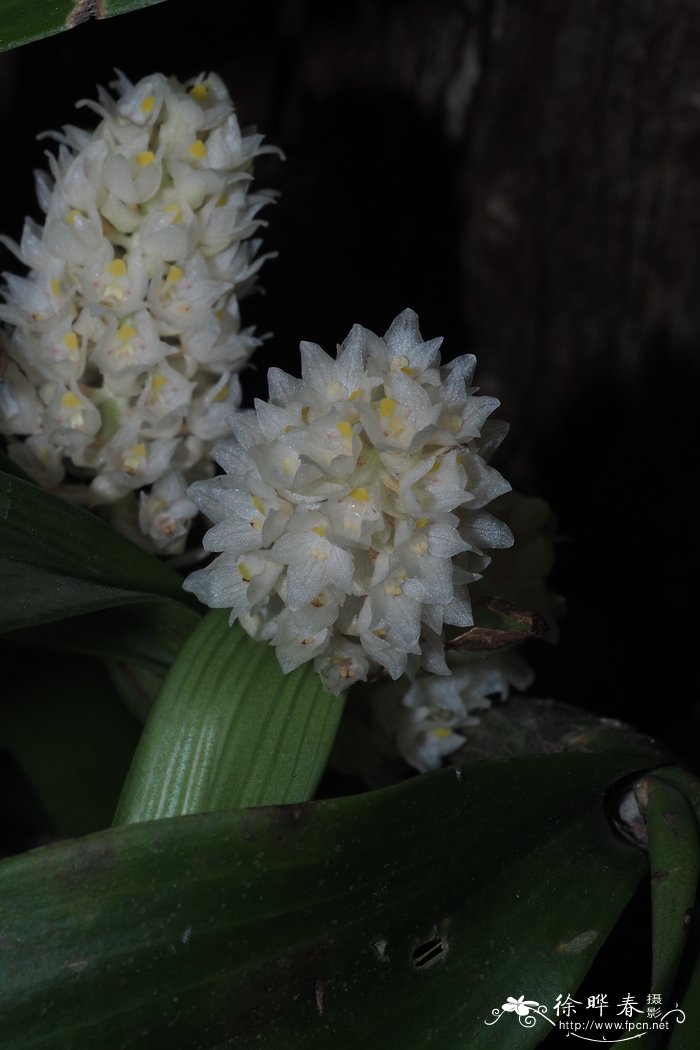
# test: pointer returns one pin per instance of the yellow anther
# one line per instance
(223, 394)
(148, 104)
(70, 341)
(320, 530)
(244, 572)
(422, 522)
(219, 314)
(158, 382)
(222, 201)
(344, 429)
(175, 211)
(441, 733)
(387, 407)
(125, 331)
(146, 158)
(74, 406)
(318, 554)
(362, 495)
(134, 459)
(355, 394)
(73, 214)
(258, 504)
(113, 291)
(199, 91)
(197, 150)
(393, 588)
(435, 467)
(117, 268)
(175, 274)
(454, 423)
(56, 287)
(419, 545)
(305, 414)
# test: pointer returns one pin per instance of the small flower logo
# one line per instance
(520, 1006)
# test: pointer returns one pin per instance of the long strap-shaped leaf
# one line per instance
(21, 21)
(400, 917)
(57, 561)
(680, 858)
(229, 730)
(674, 858)
(148, 635)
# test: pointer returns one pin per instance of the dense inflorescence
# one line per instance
(122, 361)
(351, 518)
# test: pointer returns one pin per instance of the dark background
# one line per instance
(525, 176)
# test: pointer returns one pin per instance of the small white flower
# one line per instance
(352, 513)
(126, 333)
(428, 722)
(165, 513)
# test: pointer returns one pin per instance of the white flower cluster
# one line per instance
(127, 339)
(428, 722)
(351, 516)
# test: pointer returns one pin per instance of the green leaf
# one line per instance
(21, 22)
(122, 7)
(528, 725)
(148, 635)
(71, 736)
(687, 1036)
(404, 916)
(41, 529)
(674, 858)
(59, 561)
(229, 729)
(137, 686)
(8, 466)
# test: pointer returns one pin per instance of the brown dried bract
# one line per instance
(527, 624)
(84, 9)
